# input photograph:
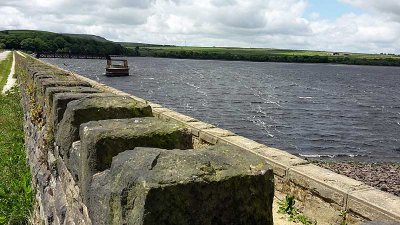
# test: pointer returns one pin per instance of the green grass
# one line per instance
(15, 188)
(5, 68)
(287, 206)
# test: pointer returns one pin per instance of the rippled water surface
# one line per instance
(346, 112)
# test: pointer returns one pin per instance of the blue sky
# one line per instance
(330, 9)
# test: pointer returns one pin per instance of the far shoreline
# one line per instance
(266, 55)
(301, 63)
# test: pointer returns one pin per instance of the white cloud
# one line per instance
(390, 7)
(358, 33)
(256, 23)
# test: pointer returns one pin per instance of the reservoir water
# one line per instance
(312, 110)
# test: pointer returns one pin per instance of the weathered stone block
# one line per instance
(74, 158)
(280, 160)
(50, 92)
(158, 111)
(49, 73)
(93, 109)
(171, 115)
(37, 78)
(212, 135)
(219, 185)
(196, 127)
(324, 183)
(374, 205)
(102, 140)
(377, 222)
(55, 82)
(241, 142)
(60, 102)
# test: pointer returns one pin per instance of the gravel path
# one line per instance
(10, 80)
(3, 55)
(384, 176)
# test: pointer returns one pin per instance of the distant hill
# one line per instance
(134, 44)
(43, 41)
(88, 37)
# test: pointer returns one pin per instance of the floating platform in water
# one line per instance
(117, 67)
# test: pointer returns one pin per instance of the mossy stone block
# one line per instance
(60, 102)
(102, 140)
(55, 82)
(51, 91)
(217, 185)
(94, 109)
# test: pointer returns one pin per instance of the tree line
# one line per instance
(260, 57)
(47, 42)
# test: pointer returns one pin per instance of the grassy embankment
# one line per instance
(15, 188)
(268, 55)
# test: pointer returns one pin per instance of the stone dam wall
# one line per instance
(101, 156)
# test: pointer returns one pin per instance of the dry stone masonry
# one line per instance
(101, 158)
(205, 186)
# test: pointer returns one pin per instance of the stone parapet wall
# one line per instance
(324, 195)
(56, 102)
(98, 156)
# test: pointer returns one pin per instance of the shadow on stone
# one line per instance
(218, 185)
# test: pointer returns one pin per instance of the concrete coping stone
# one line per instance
(325, 183)
(172, 115)
(374, 204)
(380, 222)
(280, 160)
(158, 111)
(196, 126)
(155, 105)
(241, 142)
(213, 135)
(137, 99)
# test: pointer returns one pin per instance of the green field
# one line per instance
(15, 179)
(268, 55)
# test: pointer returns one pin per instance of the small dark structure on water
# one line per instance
(117, 67)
